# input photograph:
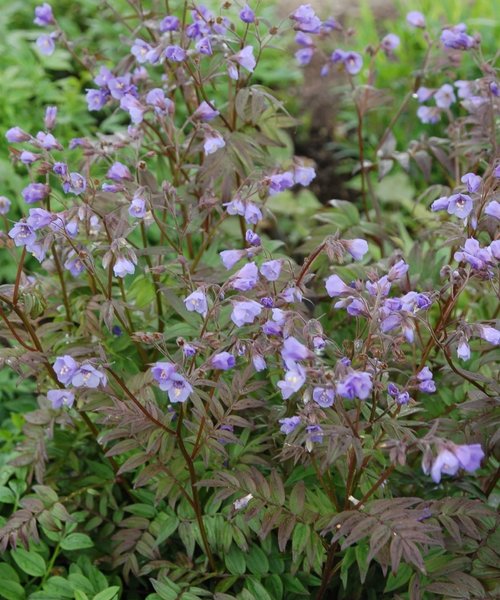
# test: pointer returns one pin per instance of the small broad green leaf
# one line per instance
(79, 595)
(8, 573)
(30, 562)
(11, 590)
(76, 541)
(274, 586)
(111, 593)
(257, 562)
(253, 585)
(7, 496)
(235, 561)
(402, 577)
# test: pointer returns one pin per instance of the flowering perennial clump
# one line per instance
(240, 388)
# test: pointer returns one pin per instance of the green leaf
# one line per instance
(76, 541)
(59, 587)
(235, 561)
(8, 573)
(402, 577)
(79, 595)
(110, 593)
(254, 586)
(30, 562)
(11, 590)
(257, 562)
(7, 496)
(274, 586)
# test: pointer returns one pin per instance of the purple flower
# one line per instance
(197, 302)
(397, 270)
(4, 205)
(259, 363)
(16, 135)
(426, 384)
(456, 38)
(293, 351)
(472, 181)
(389, 43)
(424, 93)
(469, 456)
(445, 96)
(357, 248)
(267, 302)
(446, 462)
(213, 141)
(178, 389)
(60, 168)
(294, 379)
(403, 398)
(134, 108)
(140, 50)
(39, 218)
(203, 46)
(137, 208)
(28, 158)
(271, 269)
(303, 175)
(253, 214)
(463, 350)
(245, 58)
(188, 350)
(460, 205)
(289, 424)
(472, 253)
(162, 373)
(280, 182)
(175, 53)
(324, 397)
(162, 105)
(392, 389)
(247, 15)
(245, 312)
(60, 398)
(88, 376)
(74, 265)
(50, 117)
(35, 192)
(119, 86)
(246, 278)
(124, 266)
(119, 172)
(306, 20)
(415, 19)
(43, 15)
(304, 56)
(353, 62)
(490, 334)
(76, 184)
(169, 23)
(230, 257)
(466, 89)
(336, 287)
(205, 112)
(252, 238)
(23, 235)
(357, 384)
(223, 361)
(493, 209)
(429, 114)
(450, 459)
(96, 99)
(65, 367)
(46, 44)
(315, 434)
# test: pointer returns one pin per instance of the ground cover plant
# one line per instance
(218, 386)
